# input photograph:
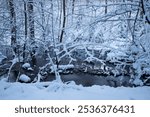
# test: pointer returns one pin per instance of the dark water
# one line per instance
(86, 79)
(89, 79)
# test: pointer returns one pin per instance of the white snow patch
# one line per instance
(24, 78)
(30, 69)
(66, 66)
(70, 91)
(26, 65)
(115, 55)
(138, 82)
(62, 67)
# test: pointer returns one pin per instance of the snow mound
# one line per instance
(24, 78)
(26, 65)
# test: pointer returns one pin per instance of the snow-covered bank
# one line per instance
(59, 91)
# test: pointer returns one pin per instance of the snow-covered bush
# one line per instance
(141, 55)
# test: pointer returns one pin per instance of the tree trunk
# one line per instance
(43, 20)
(73, 5)
(25, 28)
(64, 20)
(31, 19)
(30, 10)
(106, 6)
(13, 25)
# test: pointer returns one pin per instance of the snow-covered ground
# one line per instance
(60, 91)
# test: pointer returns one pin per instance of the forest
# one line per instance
(91, 42)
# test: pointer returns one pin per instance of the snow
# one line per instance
(69, 91)
(64, 66)
(26, 65)
(138, 82)
(30, 69)
(61, 67)
(24, 78)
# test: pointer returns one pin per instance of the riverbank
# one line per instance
(69, 91)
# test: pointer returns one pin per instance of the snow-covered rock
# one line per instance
(24, 78)
(26, 65)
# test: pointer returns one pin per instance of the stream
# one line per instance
(86, 79)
